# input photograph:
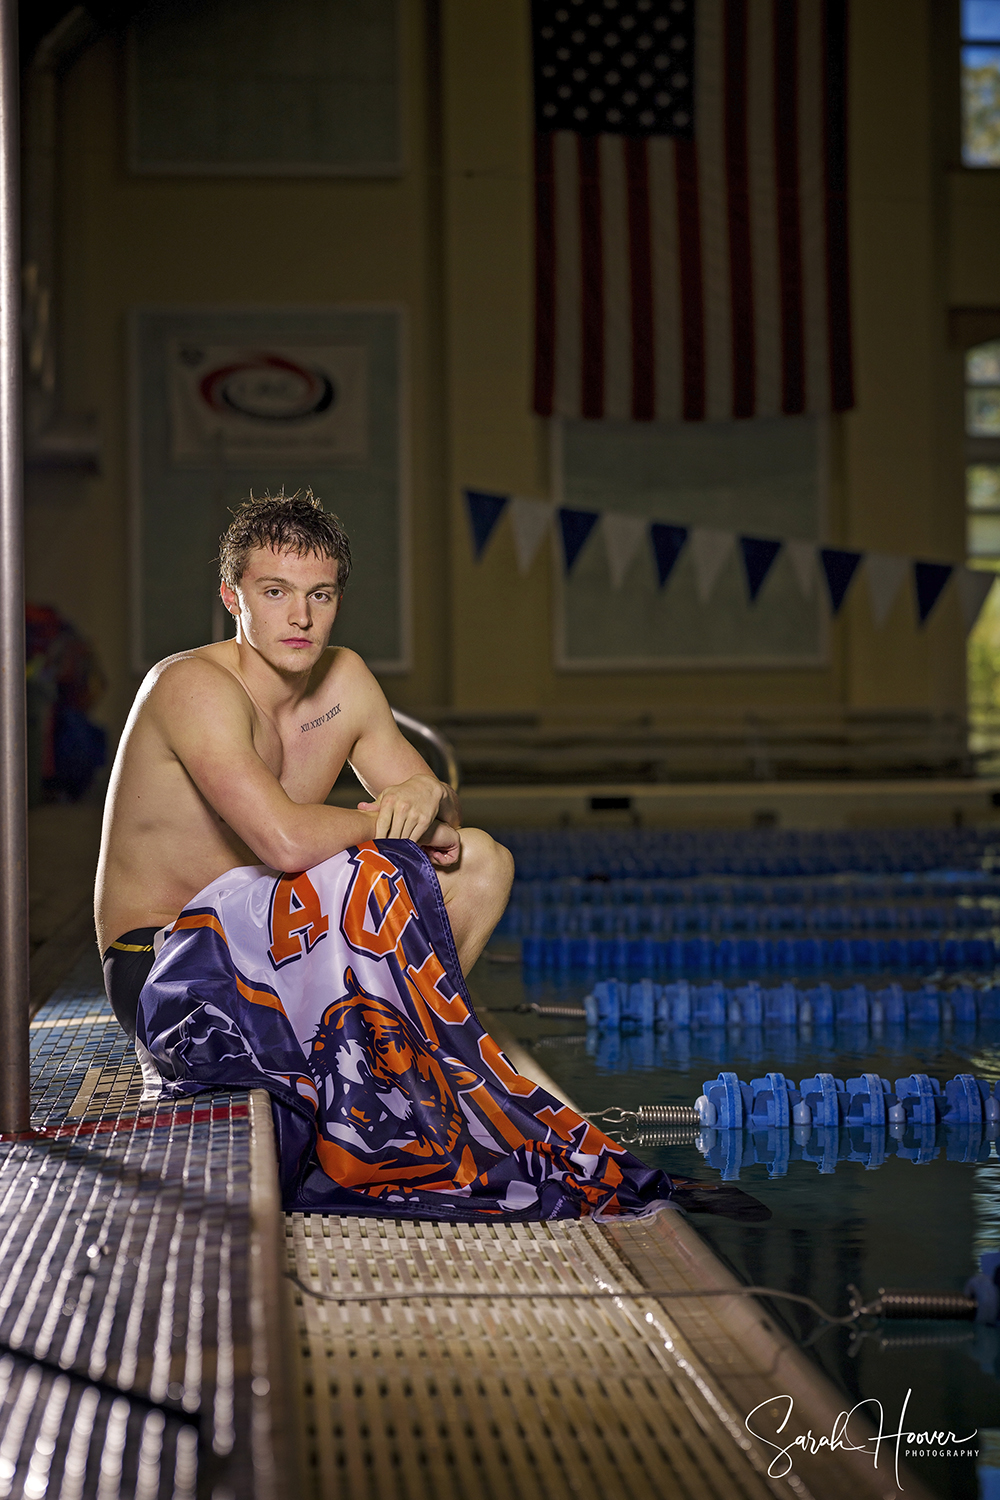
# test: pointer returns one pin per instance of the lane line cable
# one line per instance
(462, 1294)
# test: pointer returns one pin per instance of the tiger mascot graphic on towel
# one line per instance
(390, 1097)
(385, 1095)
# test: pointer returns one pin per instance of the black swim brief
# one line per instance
(127, 963)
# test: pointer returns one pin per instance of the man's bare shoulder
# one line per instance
(343, 663)
(343, 671)
(193, 681)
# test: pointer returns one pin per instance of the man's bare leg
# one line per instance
(476, 893)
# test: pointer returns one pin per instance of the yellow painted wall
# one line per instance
(903, 487)
(452, 239)
(128, 240)
(896, 461)
(974, 261)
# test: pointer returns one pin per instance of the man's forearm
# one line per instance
(310, 833)
(449, 808)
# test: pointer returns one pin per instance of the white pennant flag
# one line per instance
(710, 551)
(973, 586)
(623, 536)
(885, 576)
(802, 556)
(531, 520)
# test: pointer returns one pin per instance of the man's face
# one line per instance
(285, 606)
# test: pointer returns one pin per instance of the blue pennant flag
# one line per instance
(759, 554)
(929, 579)
(575, 526)
(484, 512)
(839, 568)
(668, 542)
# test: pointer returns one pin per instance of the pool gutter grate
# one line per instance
(134, 1353)
(532, 1398)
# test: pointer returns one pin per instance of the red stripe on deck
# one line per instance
(738, 185)
(183, 1116)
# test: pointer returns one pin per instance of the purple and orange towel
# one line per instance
(339, 991)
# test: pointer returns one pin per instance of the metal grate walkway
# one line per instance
(141, 1353)
(127, 1353)
(437, 1361)
(490, 1395)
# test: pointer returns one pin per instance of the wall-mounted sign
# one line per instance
(306, 403)
(228, 401)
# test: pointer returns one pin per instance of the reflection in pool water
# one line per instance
(921, 1220)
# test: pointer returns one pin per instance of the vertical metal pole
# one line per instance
(14, 1086)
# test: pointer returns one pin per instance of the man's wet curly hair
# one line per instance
(288, 523)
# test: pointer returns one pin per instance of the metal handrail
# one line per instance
(433, 737)
(15, 1108)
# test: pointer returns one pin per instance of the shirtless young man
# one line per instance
(231, 749)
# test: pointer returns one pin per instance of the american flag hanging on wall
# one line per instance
(691, 212)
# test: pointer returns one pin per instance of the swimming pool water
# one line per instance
(907, 1224)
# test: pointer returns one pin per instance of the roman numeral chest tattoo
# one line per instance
(315, 723)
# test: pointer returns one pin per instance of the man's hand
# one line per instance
(442, 844)
(410, 810)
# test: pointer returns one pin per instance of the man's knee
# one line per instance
(487, 862)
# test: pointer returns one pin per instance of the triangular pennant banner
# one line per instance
(929, 579)
(839, 568)
(885, 575)
(710, 551)
(759, 554)
(973, 585)
(485, 511)
(530, 520)
(668, 541)
(576, 526)
(623, 536)
(802, 556)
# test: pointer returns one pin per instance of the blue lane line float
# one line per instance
(618, 1005)
(653, 956)
(985, 1288)
(772, 1102)
(826, 1119)
(729, 1151)
(647, 853)
(634, 909)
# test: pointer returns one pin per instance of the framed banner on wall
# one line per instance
(719, 481)
(307, 88)
(226, 401)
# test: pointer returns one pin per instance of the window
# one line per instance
(982, 503)
(981, 83)
(982, 429)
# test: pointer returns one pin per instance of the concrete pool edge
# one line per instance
(276, 1457)
(750, 1360)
